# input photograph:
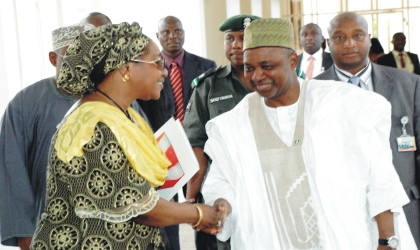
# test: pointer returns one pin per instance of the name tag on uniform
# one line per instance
(406, 142)
(221, 98)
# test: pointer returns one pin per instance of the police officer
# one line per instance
(215, 92)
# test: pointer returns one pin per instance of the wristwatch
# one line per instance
(392, 242)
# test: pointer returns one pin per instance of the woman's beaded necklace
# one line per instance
(112, 100)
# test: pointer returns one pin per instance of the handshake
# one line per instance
(211, 219)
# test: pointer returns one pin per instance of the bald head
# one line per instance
(171, 36)
(347, 16)
(349, 41)
(168, 20)
(97, 19)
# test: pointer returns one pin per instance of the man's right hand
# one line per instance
(223, 209)
(24, 243)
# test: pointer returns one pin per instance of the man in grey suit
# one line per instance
(311, 40)
(349, 44)
(171, 36)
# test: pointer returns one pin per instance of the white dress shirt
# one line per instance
(366, 79)
(409, 66)
(318, 69)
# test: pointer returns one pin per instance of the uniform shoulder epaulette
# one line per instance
(203, 76)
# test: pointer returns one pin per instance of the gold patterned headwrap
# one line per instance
(269, 32)
(95, 53)
(64, 36)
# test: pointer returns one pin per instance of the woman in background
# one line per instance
(375, 50)
(105, 164)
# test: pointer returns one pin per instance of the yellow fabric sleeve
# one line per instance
(136, 139)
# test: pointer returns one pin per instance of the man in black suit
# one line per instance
(398, 58)
(311, 40)
(349, 44)
(171, 36)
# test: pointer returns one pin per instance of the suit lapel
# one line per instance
(190, 70)
(391, 59)
(326, 60)
(299, 61)
(167, 94)
(383, 83)
(330, 74)
(415, 61)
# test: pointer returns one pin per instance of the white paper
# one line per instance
(172, 136)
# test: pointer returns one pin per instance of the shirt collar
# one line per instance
(363, 74)
(179, 59)
(226, 71)
(397, 53)
(317, 55)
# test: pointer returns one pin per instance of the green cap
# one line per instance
(269, 32)
(237, 23)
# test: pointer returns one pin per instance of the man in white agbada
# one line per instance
(303, 165)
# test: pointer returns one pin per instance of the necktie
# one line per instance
(354, 80)
(175, 79)
(310, 69)
(402, 60)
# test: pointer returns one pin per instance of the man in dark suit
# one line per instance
(349, 44)
(314, 60)
(398, 58)
(171, 36)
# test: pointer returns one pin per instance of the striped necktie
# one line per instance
(175, 79)
(355, 79)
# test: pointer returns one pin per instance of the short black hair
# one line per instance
(376, 46)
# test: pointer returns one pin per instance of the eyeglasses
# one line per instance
(160, 62)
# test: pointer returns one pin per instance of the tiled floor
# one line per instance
(186, 237)
(186, 233)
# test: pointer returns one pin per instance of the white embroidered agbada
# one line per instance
(348, 160)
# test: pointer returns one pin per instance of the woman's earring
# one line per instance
(126, 78)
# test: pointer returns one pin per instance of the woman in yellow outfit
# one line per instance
(105, 164)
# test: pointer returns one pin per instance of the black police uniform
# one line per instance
(217, 91)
